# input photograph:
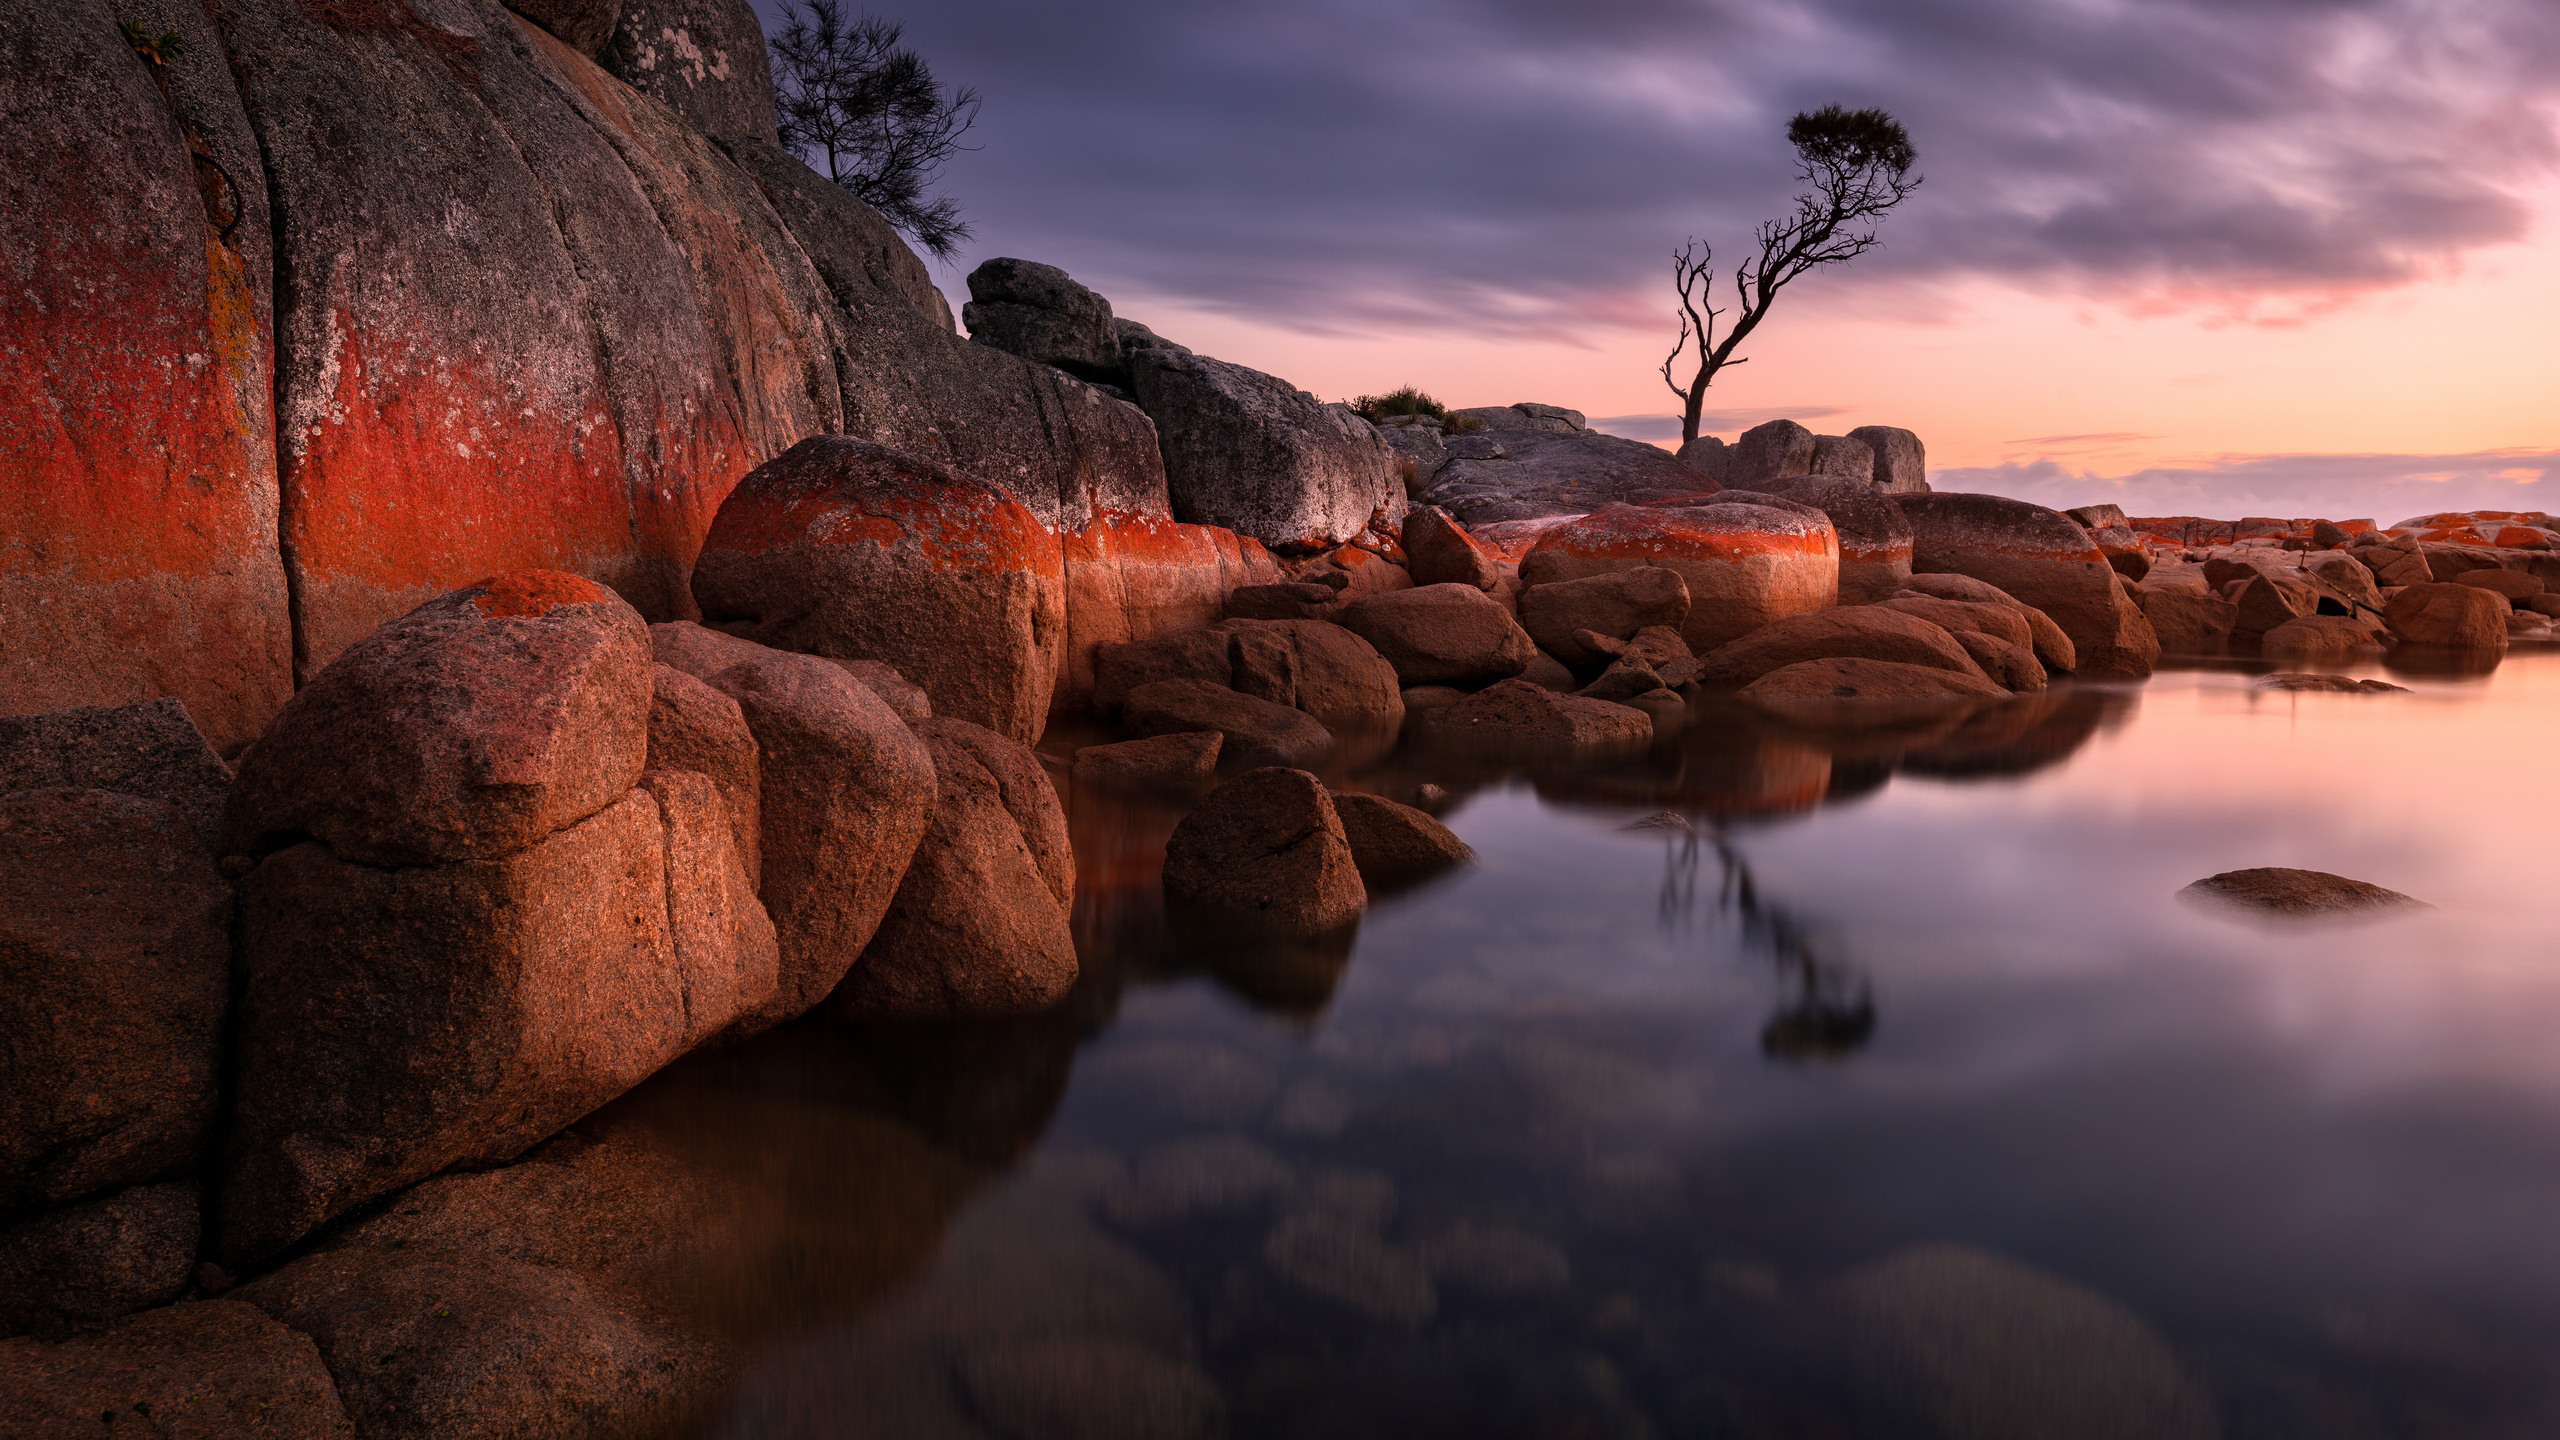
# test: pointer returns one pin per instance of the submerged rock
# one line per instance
(2296, 894)
(1342, 1260)
(1953, 1341)
(2457, 616)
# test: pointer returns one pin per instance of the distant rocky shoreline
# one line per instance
(459, 656)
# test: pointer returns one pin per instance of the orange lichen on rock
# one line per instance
(533, 593)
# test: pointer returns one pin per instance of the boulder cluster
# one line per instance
(334, 880)
(2450, 589)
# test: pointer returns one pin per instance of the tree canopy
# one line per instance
(1858, 163)
(845, 91)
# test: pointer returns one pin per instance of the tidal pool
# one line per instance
(1894, 1094)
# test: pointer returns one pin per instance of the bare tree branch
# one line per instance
(1859, 165)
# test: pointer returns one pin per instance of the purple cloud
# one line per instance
(1508, 168)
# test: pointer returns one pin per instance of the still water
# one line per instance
(1894, 1094)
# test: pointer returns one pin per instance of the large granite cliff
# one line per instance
(349, 302)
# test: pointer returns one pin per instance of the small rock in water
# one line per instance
(1394, 844)
(2338, 684)
(1664, 820)
(2304, 894)
(1342, 1261)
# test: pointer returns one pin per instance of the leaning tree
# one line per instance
(847, 92)
(1859, 163)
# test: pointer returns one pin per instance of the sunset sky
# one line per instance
(2282, 257)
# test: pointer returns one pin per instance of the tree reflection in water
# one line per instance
(1827, 1010)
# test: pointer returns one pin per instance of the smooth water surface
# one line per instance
(1895, 1095)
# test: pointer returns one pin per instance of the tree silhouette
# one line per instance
(846, 91)
(1859, 164)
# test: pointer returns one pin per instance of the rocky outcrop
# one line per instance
(1770, 451)
(2053, 648)
(1395, 845)
(1820, 689)
(1525, 474)
(114, 976)
(1159, 762)
(1902, 463)
(395, 1022)
(845, 793)
(1439, 551)
(1037, 312)
(1252, 453)
(1552, 419)
(486, 919)
(978, 927)
(380, 434)
(81, 1266)
(2189, 620)
(1134, 577)
(695, 728)
(2044, 560)
(854, 551)
(1309, 665)
(137, 436)
(1745, 565)
(1267, 850)
(1441, 634)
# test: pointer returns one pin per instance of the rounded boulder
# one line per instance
(853, 551)
(1446, 634)
(1862, 632)
(467, 729)
(1745, 565)
(1267, 845)
(2460, 616)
